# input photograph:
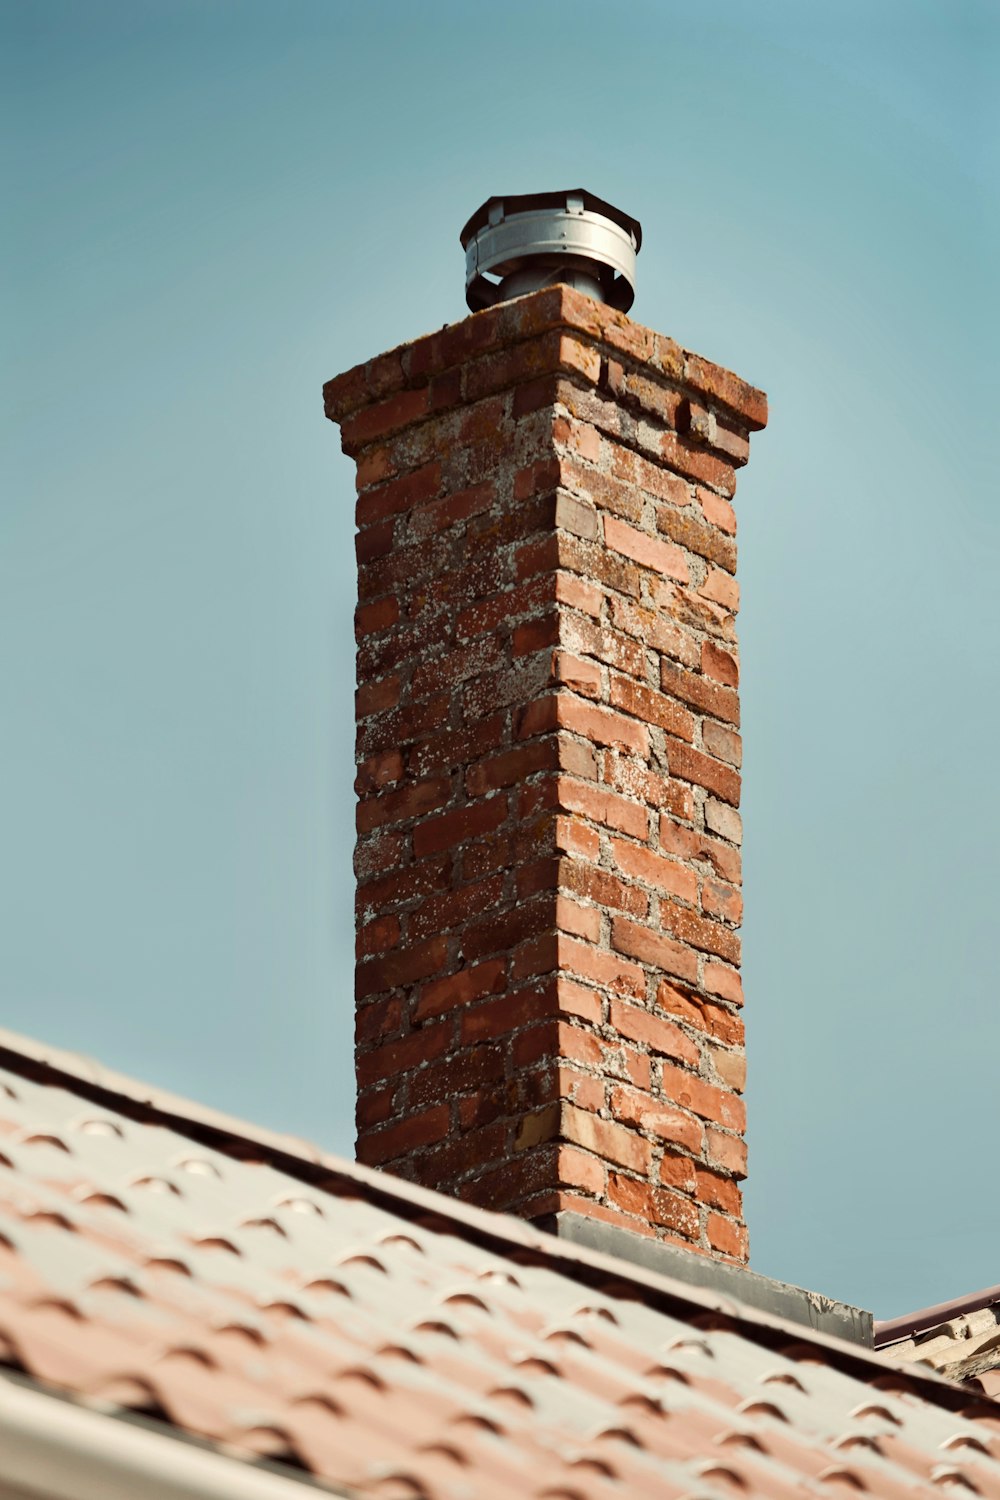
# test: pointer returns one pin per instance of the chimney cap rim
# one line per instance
(522, 203)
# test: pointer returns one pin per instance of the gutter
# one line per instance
(52, 1448)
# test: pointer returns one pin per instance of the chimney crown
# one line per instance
(538, 239)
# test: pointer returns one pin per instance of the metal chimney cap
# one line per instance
(539, 239)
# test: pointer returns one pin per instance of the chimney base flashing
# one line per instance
(811, 1309)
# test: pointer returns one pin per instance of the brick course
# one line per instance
(548, 994)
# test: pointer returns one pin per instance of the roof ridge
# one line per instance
(407, 1200)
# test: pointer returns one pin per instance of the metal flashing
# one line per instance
(779, 1298)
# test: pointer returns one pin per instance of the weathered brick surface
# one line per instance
(548, 856)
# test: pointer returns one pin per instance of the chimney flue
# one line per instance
(539, 239)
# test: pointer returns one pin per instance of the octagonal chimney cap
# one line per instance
(539, 239)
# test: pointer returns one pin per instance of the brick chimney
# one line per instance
(548, 859)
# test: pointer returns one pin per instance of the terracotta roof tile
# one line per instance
(397, 1344)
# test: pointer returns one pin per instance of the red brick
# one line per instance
(512, 767)
(389, 416)
(612, 973)
(400, 884)
(578, 594)
(601, 725)
(650, 707)
(378, 771)
(728, 1237)
(722, 589)
(724, 744)
(641, 863)
(409, 1134)
(501, 606)
(708, 696)
(630, 1194)
(573, 1203)
(743, 399)
(631, 777)
(467, 1072)
(579, 437)
(605, 1139)
(650, 476)
(441, 673)
(399, 495)
(637, 1066)
(688, 530)
(576, 516)
(454, 749)
(520, 618)
(599, 886)
(502, 1014)
(576, 675)
(400, 726)
(710, 937)
(654, 630)
(464, 1154)
(606, 491)
(394, 1058)
(721, 900)
(379, 1021)
(718, 1191)
(536, 634)
(693, 1093)
(690, 843)
(600, 806)
(376, 936)
(462, 988)
(376, 852)
(403, 804)
(717, 511)
(725, 982)
(455, 908)
(724, 821)
(646, 550)
(453, 828)
(379, 615)
(577, 1044)
(451, 510)
(536, 478)
(689, 458)
(678, 1172)
(705, 1015)
(574, 837)
(580, 921)
(580, 1170)
(588, 637)
(654, 1032)
(633, 1106)
(500, 932)
(727, 1151)
(653, 948)
(721, 665)
(730, 1067)
(715, 776)
(597, 564)
(375, 1107)
(676, 1212)
(374, 541)
(410, 964)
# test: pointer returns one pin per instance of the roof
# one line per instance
(959, 1339)
(383, 1340)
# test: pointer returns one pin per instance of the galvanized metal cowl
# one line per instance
(539, 239)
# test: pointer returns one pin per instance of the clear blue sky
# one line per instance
(212, 207)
